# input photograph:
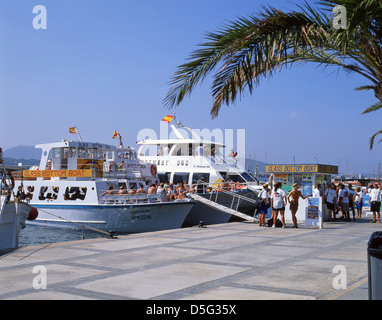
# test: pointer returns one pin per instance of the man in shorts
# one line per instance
(375, 202)
(330, 199)
(344, 202)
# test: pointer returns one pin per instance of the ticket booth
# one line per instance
(307, 176)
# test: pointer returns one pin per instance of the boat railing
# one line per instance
(137, 198)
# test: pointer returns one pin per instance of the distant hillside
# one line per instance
(23, 152)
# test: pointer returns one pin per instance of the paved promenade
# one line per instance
(236, 261)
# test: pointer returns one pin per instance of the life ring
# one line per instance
(113, 166)
(154, 170)
(11, 185)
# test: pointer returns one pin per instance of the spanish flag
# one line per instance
(168, 119)
(72, 130)
(115, 134)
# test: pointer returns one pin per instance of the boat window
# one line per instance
(82, 154)
(180, 177)
(74, 193)
(48, 193)
(29, 193)
(198, 176)
(164, 177)
(133, 185)
(247, 176)
(235, 178)
(73, 152)
(56, 153)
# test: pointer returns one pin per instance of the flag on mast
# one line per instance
(115, 135)
(167, 119)
(72, 130)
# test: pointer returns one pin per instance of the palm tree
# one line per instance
(245, 51)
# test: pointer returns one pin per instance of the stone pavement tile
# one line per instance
(312, 275)
(22, 278)
(354, 251)
(139, 258)
(208, 232)
(160, 280)
(49, 295)
(42, 254)
(128, 242)
(223, 243)
(233, 293)
(257, 255)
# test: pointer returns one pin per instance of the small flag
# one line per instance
(167, 119)
(115, 134)
(72, 130)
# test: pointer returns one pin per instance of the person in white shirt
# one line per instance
(330, 199)
(358, 201)
(375, 202)
(264, 208)
(316, 192)
(278, 201)
(343, 200)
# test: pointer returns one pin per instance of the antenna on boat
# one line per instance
(120, 140)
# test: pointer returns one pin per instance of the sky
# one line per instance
(105, 65)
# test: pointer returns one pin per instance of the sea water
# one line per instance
(33, 235)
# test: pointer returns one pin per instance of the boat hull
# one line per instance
(12, 220)
(116, 218)
(201, 212)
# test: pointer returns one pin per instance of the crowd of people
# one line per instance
(166, 191)
(344, 198)
(337, 198)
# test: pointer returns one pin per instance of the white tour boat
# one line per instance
(194, 161)
(77, 184)
(13, 214)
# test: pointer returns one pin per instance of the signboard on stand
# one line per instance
(313, 214)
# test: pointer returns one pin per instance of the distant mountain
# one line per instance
(23, 152)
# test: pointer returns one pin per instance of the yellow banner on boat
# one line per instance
(81, 173)
(302, 168)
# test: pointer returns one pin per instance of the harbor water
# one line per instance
(33, 235)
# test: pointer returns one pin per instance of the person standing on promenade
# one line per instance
(358, 201)
(331, 200)
(264, 197)
(317, 191)
(343, 200)
(352, 194)
(278, 200)
(375, 202)
(293, 204)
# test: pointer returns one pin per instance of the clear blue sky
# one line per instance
(105, 65)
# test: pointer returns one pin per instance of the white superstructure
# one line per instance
(193, 161)
(77, 183)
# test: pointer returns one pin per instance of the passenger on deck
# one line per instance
(170, 195)
(181, 192)
(109, 191)
(131, 191)
(152, 189)
(161, 192)
(122, 190)
(141, 190)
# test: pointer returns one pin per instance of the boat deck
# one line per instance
(233, 261)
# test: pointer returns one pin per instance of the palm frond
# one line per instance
(374, 107)
(371, 143)
(361, 88)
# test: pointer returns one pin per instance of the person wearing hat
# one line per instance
(264, 197)
(293, 204)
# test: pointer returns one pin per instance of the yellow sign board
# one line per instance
(302, 168)
(81, 173)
